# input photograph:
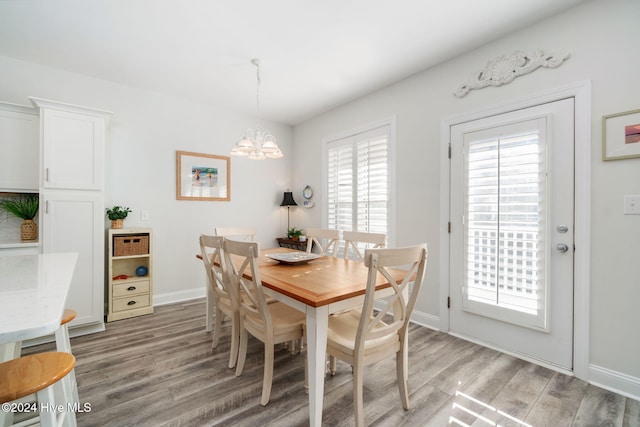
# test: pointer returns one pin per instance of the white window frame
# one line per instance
(391, 159)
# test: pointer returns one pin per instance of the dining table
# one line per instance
(33, 291)
(318, 288)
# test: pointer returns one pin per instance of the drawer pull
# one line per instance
(131, 303)
(131, 288)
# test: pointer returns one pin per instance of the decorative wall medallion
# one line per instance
(504, 69)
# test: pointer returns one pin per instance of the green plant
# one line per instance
(117, 212)
(294, 232)
(23, 206)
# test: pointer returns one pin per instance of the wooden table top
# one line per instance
(318, 282)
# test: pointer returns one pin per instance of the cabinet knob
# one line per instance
(131, 303)
(131, 288)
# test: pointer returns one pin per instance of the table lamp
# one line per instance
(288, 201)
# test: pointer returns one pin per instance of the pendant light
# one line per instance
(258, 144)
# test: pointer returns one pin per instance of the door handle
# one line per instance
(561, 247)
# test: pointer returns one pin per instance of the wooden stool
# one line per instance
(38, 373)
(63, 343)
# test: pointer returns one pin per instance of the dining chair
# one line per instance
(237, 233)
(221, 293)
(357, 241)
(361, 337)
(325, 239)
(272, 324)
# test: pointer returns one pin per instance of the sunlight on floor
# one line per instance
(467, 410)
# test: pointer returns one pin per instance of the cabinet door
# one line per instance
(75, 223)
(19, 156)
(73, 150)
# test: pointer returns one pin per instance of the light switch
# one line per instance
(632, 205)
(144, 215)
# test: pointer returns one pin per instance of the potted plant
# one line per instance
(294, 233)
(117, 214)
(23, 206)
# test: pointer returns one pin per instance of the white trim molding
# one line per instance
(617, 382)
(504, 69)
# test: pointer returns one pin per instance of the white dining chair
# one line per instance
(355, 242)
(222, 295)
(272, 324)
(361, 336)
(237, 233)
(325, 240)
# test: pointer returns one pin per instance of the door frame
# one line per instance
(581, 92)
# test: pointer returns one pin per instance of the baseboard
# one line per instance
(74, 331)
(617, 382)
(171, 297)
(425, 319)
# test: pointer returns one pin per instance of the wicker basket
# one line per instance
(133, 244)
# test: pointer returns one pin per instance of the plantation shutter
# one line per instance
(358, 182)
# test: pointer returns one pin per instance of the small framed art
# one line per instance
(621, 135)
(202, 177)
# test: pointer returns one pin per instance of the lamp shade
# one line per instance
(287, 200)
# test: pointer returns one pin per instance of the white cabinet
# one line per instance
(73, 139)
(72, 143)
(74, 222)
(19, 164)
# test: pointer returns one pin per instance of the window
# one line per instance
(358, 181)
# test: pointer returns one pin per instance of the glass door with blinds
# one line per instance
(358, 182)
(512, 232)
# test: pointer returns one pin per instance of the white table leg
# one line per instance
(317, 325)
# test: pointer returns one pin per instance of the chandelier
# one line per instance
(260, 143)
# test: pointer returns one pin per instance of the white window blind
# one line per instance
(358, 182)
(505, 222)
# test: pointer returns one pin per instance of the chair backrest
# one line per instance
(213, 261)
(355, 242)
(237, 233)
(241, 259)
(326, 240)
(378, 261)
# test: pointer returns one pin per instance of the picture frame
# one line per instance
(202, 176)
(621, 135)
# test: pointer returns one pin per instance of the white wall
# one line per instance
(600, 36)
(146, 130)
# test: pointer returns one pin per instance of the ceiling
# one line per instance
(316, 54)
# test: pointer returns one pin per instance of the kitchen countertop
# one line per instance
(33, 291)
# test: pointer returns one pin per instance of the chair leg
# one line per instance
(402, 374)
(63, 343)
(358, 403)
(242, 352)
(235, 338)
(333, 364)
(217, 327)
(268, 373)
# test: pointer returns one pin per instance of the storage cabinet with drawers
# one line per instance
(130, 287)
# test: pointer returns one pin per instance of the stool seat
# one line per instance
(30, 374)
(68, 316)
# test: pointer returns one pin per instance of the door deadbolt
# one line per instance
(561, 247)
(562, 229)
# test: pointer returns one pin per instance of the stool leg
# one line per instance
(63, 343)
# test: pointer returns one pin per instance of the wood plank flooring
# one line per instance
(160, 370)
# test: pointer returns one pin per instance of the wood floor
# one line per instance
(160, 370)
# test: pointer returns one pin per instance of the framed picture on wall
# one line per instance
(202, 177)
(621, 135)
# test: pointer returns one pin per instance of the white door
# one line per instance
(511, 207)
